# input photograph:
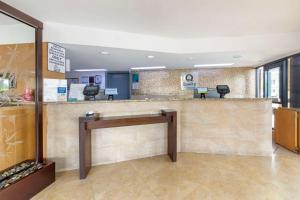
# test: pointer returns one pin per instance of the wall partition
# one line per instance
(295, 81)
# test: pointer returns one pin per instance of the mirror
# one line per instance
(17, 92)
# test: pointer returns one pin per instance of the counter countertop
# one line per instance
(14, 105)
(161, 99)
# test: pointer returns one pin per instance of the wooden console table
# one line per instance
(86, 125)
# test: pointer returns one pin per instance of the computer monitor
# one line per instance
(202, 90)
(91, 80)
(90, 91)
(223, 90)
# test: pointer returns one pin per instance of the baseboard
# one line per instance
(29, 186)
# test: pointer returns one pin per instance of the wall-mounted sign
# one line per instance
(56, 58)
(189, 80)
(84, 80)
(135, 81)
(98, 79)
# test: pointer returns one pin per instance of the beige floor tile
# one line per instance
(193, 177)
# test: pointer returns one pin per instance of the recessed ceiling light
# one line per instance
(150, 56)
(214, 65)
(148, 68)
(90, 70)
(104, 53)
(237, 56)
(190, 58)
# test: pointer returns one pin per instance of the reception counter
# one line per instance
(218, 126)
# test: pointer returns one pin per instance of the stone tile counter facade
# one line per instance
(228, 126)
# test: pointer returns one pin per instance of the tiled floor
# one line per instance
(193, 177)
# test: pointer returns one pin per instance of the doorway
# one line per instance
(121, 81)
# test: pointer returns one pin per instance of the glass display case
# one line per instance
(17, 86)
(22, 164)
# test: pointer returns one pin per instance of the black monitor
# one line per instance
(223, 90)
(91, 80)
(90, 91)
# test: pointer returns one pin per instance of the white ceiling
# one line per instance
(90, 57)
(210, 31)
(172, 18)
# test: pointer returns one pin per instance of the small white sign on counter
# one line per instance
(76, 92)
(55, 90)
(111, 91)
(56, 58)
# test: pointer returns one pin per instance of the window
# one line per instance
(274, 84)
(260, 82)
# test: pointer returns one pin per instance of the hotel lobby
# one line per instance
(149, 100)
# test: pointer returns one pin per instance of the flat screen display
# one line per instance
(4, 84)
(202, 90)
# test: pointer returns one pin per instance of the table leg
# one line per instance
(172, 137)
(172, 133)
(85, 154)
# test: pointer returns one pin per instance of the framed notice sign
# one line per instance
(55, 90)
(56, 58)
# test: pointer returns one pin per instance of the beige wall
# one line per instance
(19, 59)
(167, 82)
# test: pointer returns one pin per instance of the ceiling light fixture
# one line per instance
(237, 56)
(150, 56)
(90, 70)
(148, 68)
(104, 53)
(214, 65)
(68, 65)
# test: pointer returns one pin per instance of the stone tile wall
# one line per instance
(229, 126)
(167, 82)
